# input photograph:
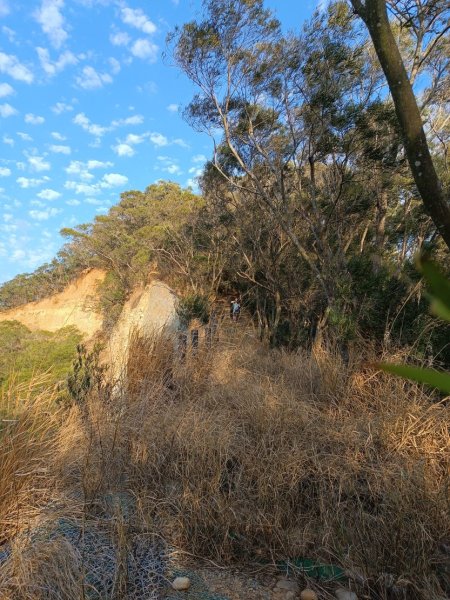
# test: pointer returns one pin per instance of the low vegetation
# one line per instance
(283, 440)
(240, 455)
(27, 354)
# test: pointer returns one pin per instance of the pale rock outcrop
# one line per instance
(148, 311)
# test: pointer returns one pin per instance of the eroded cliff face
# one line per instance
(76, 305)
(148, 310)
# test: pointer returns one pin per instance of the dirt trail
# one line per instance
(72, 306)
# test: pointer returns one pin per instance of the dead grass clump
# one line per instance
(28, 432)
(238, 454)
(296, 455)
(49, 570)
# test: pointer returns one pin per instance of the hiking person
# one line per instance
(236, 310)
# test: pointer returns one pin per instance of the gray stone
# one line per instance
(342, 594)
(287, 585)
(181, 584)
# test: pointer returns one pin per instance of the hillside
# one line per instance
(74, 306)
(243, 383)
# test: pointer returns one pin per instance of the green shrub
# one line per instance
(28, 353)
(194, 306)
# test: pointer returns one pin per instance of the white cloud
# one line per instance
(61, 107)
(6, 90)
(144, 49)
(52, 22)
(7, 140)
(98, 164)
(158, 139)
(82, 120)
(82, 188)
(10, 65)
(180, 142)
(26, 182)
(25, 136)
(172, 169)
(133, 138)
(173, 108)
(53, 67)
(6, 110)
(34, 119)
(4, 8)
(38, 164)
(199, 158)
(196, 171)
(138, 19)
(113, 180)
(10, 33)
(91, 79)
(49, 194)
(73, 202)
(5, 172)
(57, 136)
(58, 149)
(114, 64)
(81, 169)
(120, 38)
(44, 215)
(133, 120)
(123, 150)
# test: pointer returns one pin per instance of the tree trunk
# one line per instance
(374, 14)
(382, 206)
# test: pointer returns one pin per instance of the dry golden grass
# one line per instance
(28, 429)
(242, 454)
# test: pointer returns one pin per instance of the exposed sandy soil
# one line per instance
(73, 306)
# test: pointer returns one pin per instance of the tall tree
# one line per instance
(375, 15)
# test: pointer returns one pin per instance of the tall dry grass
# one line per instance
(241, 454)
(28, 430)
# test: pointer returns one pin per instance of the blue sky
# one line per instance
(89, 109)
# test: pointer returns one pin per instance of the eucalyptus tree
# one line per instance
(429, 20)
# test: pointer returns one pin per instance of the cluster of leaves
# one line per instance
(87, 373)
(193, 306)
(439, 295)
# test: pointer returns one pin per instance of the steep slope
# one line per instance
(73, 306)
(148, 310)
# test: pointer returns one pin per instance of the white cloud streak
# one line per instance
(52, 22)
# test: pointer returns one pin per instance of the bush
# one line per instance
(26, 353)
(194, 306)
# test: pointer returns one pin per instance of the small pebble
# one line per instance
(181, 583)
(308, 595)
(342, 594)
(288, 585)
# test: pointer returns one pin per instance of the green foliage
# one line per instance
(112, 296)
(439, 293)
(26, 353)
(48, 279)
(86, 374)
(193, 306)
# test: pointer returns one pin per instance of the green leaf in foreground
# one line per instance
(436, 379)
(439, 289)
